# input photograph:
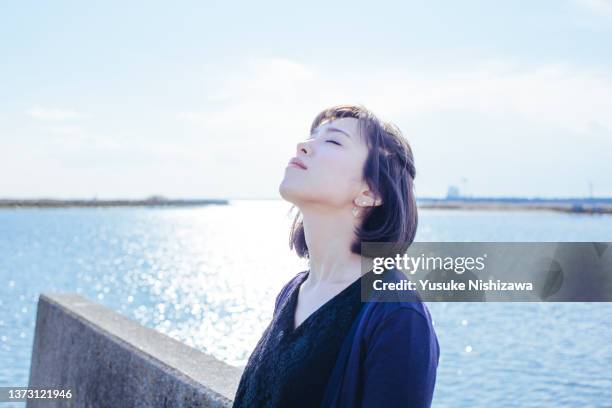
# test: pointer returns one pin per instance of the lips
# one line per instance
(297, 162)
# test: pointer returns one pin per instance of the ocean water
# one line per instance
(208, 276)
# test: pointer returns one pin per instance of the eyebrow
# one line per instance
(334, 129)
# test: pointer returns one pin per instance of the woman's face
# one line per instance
(334, 157)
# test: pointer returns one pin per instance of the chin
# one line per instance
(290, 193)
(285, 192)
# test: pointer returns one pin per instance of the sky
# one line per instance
(207, 99)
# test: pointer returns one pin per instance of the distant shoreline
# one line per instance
(574, 206)
(567, 205)
(149, 202)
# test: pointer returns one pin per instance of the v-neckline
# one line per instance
(290, 325)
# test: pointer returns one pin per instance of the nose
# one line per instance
(303, 147)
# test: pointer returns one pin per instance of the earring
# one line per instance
(355, 211)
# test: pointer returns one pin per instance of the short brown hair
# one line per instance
(389, 172)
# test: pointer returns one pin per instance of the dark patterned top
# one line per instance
(291, 368)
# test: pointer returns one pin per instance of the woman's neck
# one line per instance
(329, 235)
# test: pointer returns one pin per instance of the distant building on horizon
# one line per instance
(452, 192)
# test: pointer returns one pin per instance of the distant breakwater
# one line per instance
(583, 206)
(149, 202)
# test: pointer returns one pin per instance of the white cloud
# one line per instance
(63, 130)
(278, 94)
(602, 7)
(498, 113)
(53, 114)
(264, 90)
(554, 95)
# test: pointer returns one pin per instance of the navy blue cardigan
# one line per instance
(390, 356)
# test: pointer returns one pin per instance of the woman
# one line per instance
(352, 181)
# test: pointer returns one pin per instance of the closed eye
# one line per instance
(333, 141)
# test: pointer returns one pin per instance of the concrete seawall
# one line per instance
(108, 360)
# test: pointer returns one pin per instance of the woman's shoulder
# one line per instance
(399, 325)
(385, 310)
(393, 305)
